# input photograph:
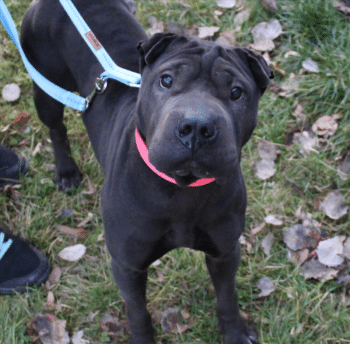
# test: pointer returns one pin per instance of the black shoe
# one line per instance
(12, 167)
(21, 265)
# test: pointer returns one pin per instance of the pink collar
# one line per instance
(143, 150)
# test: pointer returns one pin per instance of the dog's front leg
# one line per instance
(222, 271)
(132, 285)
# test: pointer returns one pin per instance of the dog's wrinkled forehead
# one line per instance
(172, 51)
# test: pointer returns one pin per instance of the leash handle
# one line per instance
(68, 98)
(111, 69)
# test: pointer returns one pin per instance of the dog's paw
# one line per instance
(244, 335)
(68, 179)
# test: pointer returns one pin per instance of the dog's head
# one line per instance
(197, 105)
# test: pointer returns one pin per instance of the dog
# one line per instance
(195, 110)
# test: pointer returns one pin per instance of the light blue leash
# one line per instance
(68, 98)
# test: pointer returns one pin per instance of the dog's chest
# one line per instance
(185, 235)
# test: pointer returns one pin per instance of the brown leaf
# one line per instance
(55, 275)
(241, 17)
(50, 329)
(226, 38)
(342, 7)
(266, 243)
(267, 150)
(207, 32)
(326, 125)
(334, 205)
(173, 321)
(264, 169)
(298, 237)
(344, 167)
(113, 326)
(264, 33)
(314, 269)
(266, 285)
(74, 232)
(329, 251)
(21, 120)
(270, 5)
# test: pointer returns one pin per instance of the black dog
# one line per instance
(196, 108)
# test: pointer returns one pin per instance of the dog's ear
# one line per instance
(259, 67)
(152, 48)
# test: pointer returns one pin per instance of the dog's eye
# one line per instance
(166, 81)
(235, 93)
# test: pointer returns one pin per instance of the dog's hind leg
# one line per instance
(68, 176)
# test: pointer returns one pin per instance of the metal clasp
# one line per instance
(100, 87)
(135, 85)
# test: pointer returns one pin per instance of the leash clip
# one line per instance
(138, 85)
(100, 87)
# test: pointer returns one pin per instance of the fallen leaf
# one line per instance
(266, 243)
(156, 263)
(264, 33)
(307, 140)
(72, 253)
(298, 257)
(173, 321)
(113, 326)
(156, 27)
(55, 275)
(334, 205)
(311, 66)
(241, 17)
(346, 249)
(258, 228)
(50, 329)
(78, 338)
(273, 220)
(326, 125)
(264, 169)
(217, 14)
(92, 189)
(270, 5)
(84, 222)
(298, 237)
(266, 285)
(11, 92)
(243, 241)
(21, 120)
(267, 150)
(344, 167)
(75, 232)
(226, 3)
(342, 7)
(290, 86)
(50, 298)
(226, 38)
(314, 269)
(329, 251)
(299, 112)
(291, 53)
(37, 148)
(207, 32)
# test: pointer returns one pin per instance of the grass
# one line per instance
(299, 311)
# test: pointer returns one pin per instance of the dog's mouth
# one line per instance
(187, 176)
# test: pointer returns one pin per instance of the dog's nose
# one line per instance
(196, 132)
